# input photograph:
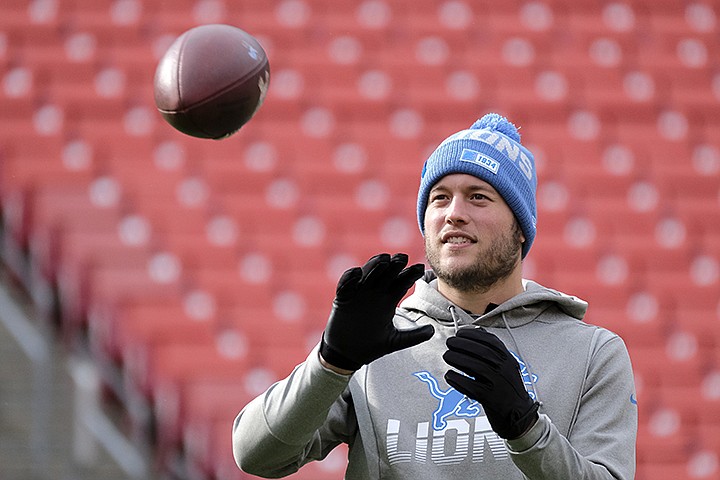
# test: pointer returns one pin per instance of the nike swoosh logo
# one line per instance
(633, 400)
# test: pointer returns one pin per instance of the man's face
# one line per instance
(472, 239)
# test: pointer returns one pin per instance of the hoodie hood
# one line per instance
(517, 311)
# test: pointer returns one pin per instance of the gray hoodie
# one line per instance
(402, 421)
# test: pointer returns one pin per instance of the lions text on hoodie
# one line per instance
(402, 421)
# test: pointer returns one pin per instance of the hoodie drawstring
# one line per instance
(454, 317)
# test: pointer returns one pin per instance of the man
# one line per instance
(479, 373)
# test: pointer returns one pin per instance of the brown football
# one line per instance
(211, 81)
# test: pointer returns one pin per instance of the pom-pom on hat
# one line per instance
(491, 151)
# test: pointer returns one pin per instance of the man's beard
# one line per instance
(492, 266)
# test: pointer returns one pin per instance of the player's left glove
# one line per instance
(492, 378)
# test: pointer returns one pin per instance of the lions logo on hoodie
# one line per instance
(453, 403)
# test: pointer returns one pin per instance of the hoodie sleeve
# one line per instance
(297, 420)
(601, 443)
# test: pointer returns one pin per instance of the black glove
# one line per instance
(360, 328)
(493, 379)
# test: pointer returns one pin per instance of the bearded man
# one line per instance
(479, 374)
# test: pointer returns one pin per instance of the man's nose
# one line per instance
(457, 211)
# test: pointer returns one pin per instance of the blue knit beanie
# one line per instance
(491, 151)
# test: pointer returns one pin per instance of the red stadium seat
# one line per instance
(59, 217)
(699, 321)
(661, 471)
(254, 231)
(40, 187)
(209, 410)
(708, 435)
(107, 286)
(633, 332)
(709, 407)
(145, 323)
(667, 449)
(228, 286)
(202, 250)
(78, 255)
(656, 368)
(168, 368)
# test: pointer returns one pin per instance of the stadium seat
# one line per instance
(227, 285)
(661, 471)
(144, 323)
(634, 333)
(653, 364)
(216, 242)
(699, 321)
(78, 254)
(106, 286)
(216, 247)
(692, 89)
(153, 369)
(667, 449)
(678, 286)
(700, 214)
(209, 408)
(684, 401)
(186, 414)
(40, 187)
(232, 176)
(708, 435)
(709, 410)
(59, 217)
(157, 372)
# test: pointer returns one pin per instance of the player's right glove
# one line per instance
(360, 328)
(492, 378)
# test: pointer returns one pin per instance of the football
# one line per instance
(211, 81)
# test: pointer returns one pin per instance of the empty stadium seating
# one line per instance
(198, 272)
